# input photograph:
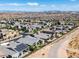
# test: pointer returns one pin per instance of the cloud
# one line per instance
(12, 4)
(73, 0)
(32, 4)
(43, 5)
(19, 4)
(53, 5)
(15, 4)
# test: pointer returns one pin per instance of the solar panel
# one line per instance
(20, 47)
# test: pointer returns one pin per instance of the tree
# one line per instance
(24, 29)
(33, 47)
(35, 31)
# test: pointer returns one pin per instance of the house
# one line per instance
(70, 26)
(36, 26)
(17, 24)
(59, 28)
(48, 31)
(5, 52)
(3, 21)
(43, 36)
(14, 49)
(28, 40)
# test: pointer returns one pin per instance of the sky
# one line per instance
(39, 5)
